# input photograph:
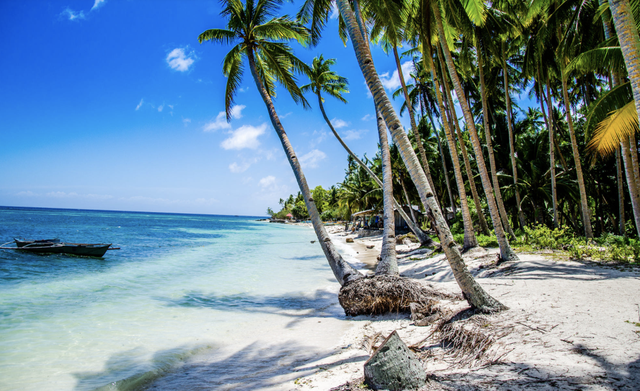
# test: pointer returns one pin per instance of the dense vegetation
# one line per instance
(561, 56)
(566, 52)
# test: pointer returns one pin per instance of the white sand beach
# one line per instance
(570, 325)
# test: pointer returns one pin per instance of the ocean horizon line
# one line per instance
(129, 211)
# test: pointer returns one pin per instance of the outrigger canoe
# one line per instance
(55, 246)
(44, 242)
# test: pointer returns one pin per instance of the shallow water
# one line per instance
(181, 285)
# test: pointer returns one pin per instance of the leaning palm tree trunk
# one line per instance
(342, 270)
(388, 264)
(406, 198)
(629, 39)
(472, 291)
(629, 43)
(622, 154)
(512, 151)
(470, 239)
(506, 253)
(442, 157)
(414, 128)
(552, 160)
(487, 133)
(492, 159)
(632, 184)
(621, 220)
(422, 237)
(586, 218)
(453, 118)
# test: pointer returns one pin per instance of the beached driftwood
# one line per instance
(383, 294)
(394, 367)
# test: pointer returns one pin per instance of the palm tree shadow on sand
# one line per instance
(520, 376)
(258, 366)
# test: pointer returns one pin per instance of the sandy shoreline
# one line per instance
(570, 326)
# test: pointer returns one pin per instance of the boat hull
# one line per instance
(87, 250)
(41, 242)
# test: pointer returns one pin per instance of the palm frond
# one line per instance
(608, 59)
(218, 35)
(281, 63)
(282, 29)
(233, 70)
(264, 75)
(315, 12)
(611, 101)
(342, 30)
(476, 11)
(610, 132)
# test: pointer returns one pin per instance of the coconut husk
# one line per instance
(384, 294)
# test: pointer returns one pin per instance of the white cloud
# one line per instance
(140, 104)
(334, 11)
(219, 123)
(236, 111)
(338, 123)
(73, 15)
(238, 168)
(368, 117)
(97, 4)
(391, 83)
(221, 120)
(353, 134)
(320, 136)
(179, 60)
(267, 181)
(27, 193)
(160, 108)
(244, 137)
(285, 115)
(311, 159)
(186, 121)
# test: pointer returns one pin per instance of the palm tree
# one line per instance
(388, 264)
(324, 80)
(514, 168)
(261, 39)
(318, 12)
(629, 43)
(422, 94)
(615, 114)
(389, 21)
(506, 253)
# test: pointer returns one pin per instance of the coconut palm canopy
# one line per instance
(166, 88)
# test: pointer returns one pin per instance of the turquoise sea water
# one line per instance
(181, 285)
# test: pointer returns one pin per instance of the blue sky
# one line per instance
(113, 104)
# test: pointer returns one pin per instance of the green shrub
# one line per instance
(459, 238)
(542, 237)
(487, 241)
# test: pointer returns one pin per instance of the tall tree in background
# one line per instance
(506, 252)
(317, 11)
(258, 37)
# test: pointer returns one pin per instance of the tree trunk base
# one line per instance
(394, 367)
(385, 294)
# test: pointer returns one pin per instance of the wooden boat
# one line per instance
(55, 246)
(45, 242)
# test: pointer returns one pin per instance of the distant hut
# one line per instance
(289, 216)
(373, 218)
(401, 225)
(367, 218)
